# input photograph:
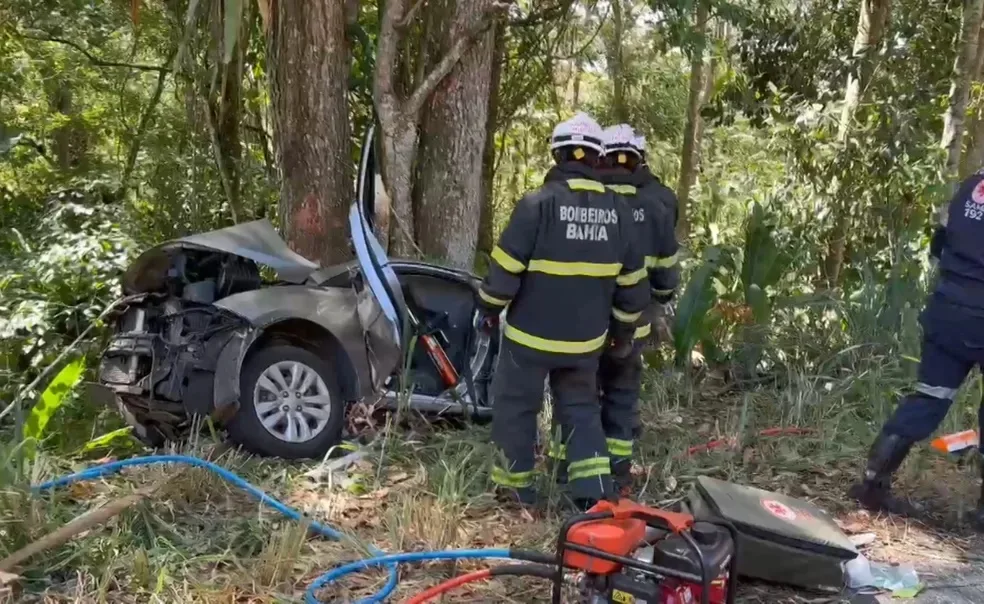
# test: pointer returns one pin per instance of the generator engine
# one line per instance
(633, 554)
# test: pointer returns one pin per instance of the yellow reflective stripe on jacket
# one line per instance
(662, 292)
(619, 447)
(589, 468)
(559, 346)
(584, 184)
(575, 269)
(626, 317)
(506, 261)
(623, 189)
(643, 331)
(661, 262)
(491, 299)
(631, 278)
(517, 480)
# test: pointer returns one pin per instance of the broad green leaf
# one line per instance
(696, 302)
(52, 399)
(106, 439)
(232, 21)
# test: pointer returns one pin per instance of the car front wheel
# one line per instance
(290, 404)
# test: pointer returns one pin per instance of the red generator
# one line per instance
(633, 554)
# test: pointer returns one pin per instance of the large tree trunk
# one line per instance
(309, 61)
(400, 114)
(963, 74)
(486, 222)
(691, 133)
(872, 21)
(449, 181)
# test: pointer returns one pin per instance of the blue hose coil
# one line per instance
(379, 558)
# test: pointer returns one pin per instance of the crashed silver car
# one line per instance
(234, 326)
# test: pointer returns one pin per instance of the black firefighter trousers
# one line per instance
(619, 384)
(517, 391)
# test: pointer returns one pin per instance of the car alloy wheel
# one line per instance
(292, 401)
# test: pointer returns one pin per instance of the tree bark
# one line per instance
(691, 133)
(449, 180)
(486, 222)
(400, 115)
(963, 74)
(310, 60)
(872, 21)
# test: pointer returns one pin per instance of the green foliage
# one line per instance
(692, 311)
(53, 397)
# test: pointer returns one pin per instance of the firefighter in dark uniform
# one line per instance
(567, 269)
(620, 379)
(953, 343)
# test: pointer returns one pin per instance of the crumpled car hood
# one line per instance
(258, 241)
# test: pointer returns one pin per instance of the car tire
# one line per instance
(247, 429)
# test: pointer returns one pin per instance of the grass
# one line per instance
(424, 486)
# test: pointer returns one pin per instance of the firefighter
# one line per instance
(953, 343)
(572, 282)
(620, 379)
(651, 182)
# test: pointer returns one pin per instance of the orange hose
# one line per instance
(442, 588)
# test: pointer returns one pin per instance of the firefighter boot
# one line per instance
(622, 477)
(874, 492)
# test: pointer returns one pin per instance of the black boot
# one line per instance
(874, 492)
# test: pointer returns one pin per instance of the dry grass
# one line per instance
(425, 487)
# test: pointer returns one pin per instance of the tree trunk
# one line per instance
(486, 222)
(973, 157)
(616, 65)
(963, 74)
(399, 147)
(309, 70)
(872, 21)
(400, 114)
(691, 133)
(224, 104)
(449, 181)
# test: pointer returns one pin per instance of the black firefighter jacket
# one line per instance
(661, 247)
(653, 228)
(567, 267)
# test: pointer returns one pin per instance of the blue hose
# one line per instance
(379, 558)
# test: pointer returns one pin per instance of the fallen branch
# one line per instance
(87, 521)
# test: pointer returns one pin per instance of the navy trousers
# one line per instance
(953, 343)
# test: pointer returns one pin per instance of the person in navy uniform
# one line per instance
(953, 343)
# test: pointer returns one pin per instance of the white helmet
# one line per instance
(619, 138)
(579, 131)
(639, 142)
